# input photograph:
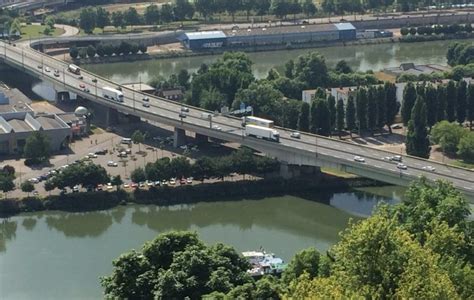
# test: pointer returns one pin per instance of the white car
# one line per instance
(75, 189)
(189, 180)
(216, 127)
(47, 69)
(172, 181)
(150, 183)
(359, 159)
(184, 109)
(109, 186)
(146, 99)
(33, 180)
(295, 135)
(396, 158)
(402, 166)
(112, 163)
(146, 104)
(126, 185)
(429, 168)
(92, 155)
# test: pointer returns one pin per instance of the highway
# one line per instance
(37, 64)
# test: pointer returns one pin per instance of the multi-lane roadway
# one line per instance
(90, 86)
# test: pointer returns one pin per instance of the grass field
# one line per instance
(464, 164)
(36, 31)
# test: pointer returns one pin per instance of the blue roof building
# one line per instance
(347, 31)
(203, 40)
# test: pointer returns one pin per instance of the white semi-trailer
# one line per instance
(257, 121)
(262, 132)
(113, 94)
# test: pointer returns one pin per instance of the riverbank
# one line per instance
(165, 196)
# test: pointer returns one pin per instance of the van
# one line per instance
(127, 141)
(205, 116)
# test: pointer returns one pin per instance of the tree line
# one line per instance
(436, 29)
(453, 140)
(101, 50)
(420, 248)
(243, 161)
(460, 54)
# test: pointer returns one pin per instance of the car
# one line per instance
(109, 186)
(126, 185)
(389, 158)
(112, 163)
(146, 99)
(35, 193)
(33, 180)
(216, 127)
(295, 135)
(359, 159)
(56, 73)
(128, 151)
(429, 168)
(397, 158)
(119, 88)
(182, 181)
(133, 185)
(182, 115)
(397, 126)
(40, 67)
(141, 184)
(172, 181)
(99, 187)
(157, 183)
(92, 155)
(82, 85)
(87, 90)
(183, 147)
(80, 77)
(184, 109)
(164, 182)
(189, 180)
(102, 152)
(94, 80)
(122, 154)
(47, 69)
(110, 129)
(402, 166)
(75, 189)
(150, 183)
(146, 104)
(62, 192)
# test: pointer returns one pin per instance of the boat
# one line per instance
(263, 263)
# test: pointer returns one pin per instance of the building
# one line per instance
(171, 94)
(265, 36)
(412, 69)
(18, 121)
(203, 40)
(140, 87)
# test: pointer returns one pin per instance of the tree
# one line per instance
(27, 187)
(303, 118)
(461, 101)
(381, 114)
(431, 105)
(391, 104)
(372, 108)
(409, 98)
(343, 67)
(331, 103)
(49, 186)
(167, 13)
(350, 115)
(340, 117)
(290, 69)
(183, 78)
(418, 143)
(451, 96)
(262, 7)
(361, 109)
(73, 52)
(87, 20)
(204, 7)
(100, 50)
(118, 19)
(312, 70)
(309, 8)
(138, 137)
(466, 147)
(6, 183)
(91, 51)
(442, 103)
(404, 31)
(212, 100)
(280, 8)
(37, 148)
(152, 14)
(102, 18)
(305, 261)
(116, 181)
(182, 9)
(470, 104)
(447, 135)
(82, 53)
(315, 117)
(164, 267)
(325, 118)
(131, 17)
(138, 175)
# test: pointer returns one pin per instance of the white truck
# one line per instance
(113, 94)
(257, 121)
(262, 132)
(74, 69)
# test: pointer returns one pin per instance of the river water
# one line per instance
(59, 255)
(363, 58)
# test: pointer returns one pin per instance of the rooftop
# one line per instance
(12, 100)
(139, 87)
(201, 35)
(281, 30)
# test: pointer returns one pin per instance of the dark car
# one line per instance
(102, 152)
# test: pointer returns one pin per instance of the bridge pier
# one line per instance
(179, 137)
(133, 119)
(288, 171)
(201, 139)
(111, 117)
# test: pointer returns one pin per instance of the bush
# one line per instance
(100, 50)
(404, 31)
(91, 51)
(82, 53)
(73, 52)
(413, 31)
(109, 50)
(143, 48)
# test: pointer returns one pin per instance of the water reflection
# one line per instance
(91, 224)
(7, 233)
(29, 223)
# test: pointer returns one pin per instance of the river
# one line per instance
(59, 255)
(362, 57)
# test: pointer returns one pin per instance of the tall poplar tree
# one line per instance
(340, 116)
(461, 102)
(417, 143)
(451, 97)
(372, 108)
(409, 98)
(332, 110)
(391, 104)
(361, 108)
(350, 115)
(470, 105)
(431, 104)
(381, 107)
(303, 118)
(442, 102)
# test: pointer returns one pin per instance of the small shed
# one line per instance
(203, 40)
(347, 31)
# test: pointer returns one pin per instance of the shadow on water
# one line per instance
(91, 224)
(7, 233)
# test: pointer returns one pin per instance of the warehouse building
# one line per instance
(203, 40)
(263, 36)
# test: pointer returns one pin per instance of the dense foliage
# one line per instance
(37, 148)
(101, 50)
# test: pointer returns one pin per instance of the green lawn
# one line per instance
(464, 164)
(36, 31)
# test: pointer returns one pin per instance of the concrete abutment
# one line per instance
(179, 137)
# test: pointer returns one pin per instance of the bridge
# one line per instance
(308, 150)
